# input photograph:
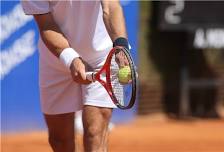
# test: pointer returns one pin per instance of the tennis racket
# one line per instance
(123, 95)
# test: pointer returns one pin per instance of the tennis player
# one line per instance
(74, 33)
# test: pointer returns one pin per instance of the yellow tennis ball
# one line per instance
(124, 74)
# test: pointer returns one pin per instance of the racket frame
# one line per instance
(107, 84)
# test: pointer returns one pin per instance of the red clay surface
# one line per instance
(145, 134)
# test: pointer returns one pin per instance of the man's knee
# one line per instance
(96, 128)
(61, 144)
(93, 131)
(106, 114)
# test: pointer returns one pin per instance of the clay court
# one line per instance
(145, 134)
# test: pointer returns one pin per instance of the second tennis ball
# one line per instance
(124, 74)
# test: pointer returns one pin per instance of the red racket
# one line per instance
(122, 94)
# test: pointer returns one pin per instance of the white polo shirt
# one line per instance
(82, 24)
(80, 21)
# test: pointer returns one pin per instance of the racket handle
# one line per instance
(90, 76)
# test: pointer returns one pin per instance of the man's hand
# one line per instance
(78, 71)
(120, 56)
(121, 59)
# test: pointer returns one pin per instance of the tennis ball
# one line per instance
(124, 74)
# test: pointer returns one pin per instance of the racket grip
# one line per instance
(90, 76)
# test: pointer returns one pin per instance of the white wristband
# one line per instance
(68, 55)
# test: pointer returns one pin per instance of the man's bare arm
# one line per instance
(51, 33)
(115, 24)
(114, 19)
(56, 42)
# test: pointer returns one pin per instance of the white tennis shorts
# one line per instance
(60, 94)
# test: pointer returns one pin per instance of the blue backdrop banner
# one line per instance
(20, 106)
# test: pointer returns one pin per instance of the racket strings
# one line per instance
(122, 92)
(117, 88)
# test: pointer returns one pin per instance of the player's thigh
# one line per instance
(96, 116)
(60, 126)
